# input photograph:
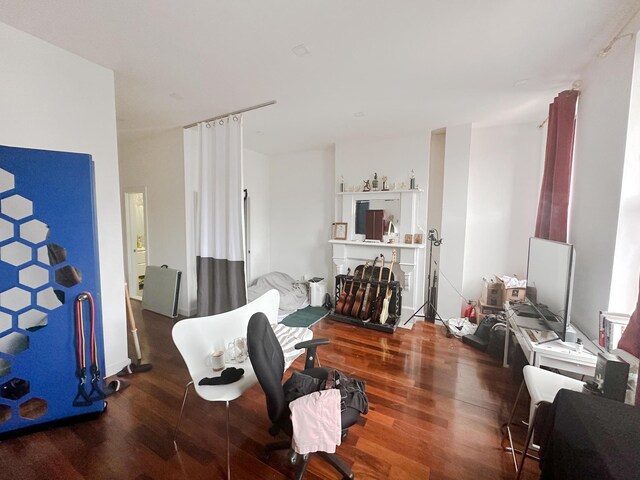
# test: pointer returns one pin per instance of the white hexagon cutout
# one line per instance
(6, 230)
(14, 343)
(5, 369)
(43, 255)
(15, 253)
(48, 299)
(15, 299)
(7, 181)
(34, 231)
(5, 322)
(33, 408)
(16, 206)
(32, 319)
(33, 276)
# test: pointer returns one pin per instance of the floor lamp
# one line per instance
(432, 288)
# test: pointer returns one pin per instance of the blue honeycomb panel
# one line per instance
(47, 215)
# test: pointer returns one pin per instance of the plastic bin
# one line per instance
(317, 292)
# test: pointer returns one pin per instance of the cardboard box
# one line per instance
(492, 293)
(515, 294)
(483, 310)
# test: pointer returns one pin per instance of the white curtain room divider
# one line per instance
(219, 218)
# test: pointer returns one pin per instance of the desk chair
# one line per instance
(268, 364)
(542, 386)
(195, 339)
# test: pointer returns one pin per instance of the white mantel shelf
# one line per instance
(376, 244)
(378, 192)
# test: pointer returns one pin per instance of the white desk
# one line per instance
(555, 354)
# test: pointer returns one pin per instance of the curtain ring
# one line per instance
(208, 125)
(221, 122)
(235, 118)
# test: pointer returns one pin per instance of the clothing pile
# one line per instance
(316, 407)
(351, 390)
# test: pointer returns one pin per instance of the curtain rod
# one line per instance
(255, 107)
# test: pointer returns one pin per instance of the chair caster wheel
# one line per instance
(293, 457)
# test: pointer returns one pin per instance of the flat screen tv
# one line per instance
(550, 282)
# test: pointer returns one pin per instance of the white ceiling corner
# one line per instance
(408, 65)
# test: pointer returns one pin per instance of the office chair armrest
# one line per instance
(311, 346)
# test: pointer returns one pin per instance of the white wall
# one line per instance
(434, 195)
(301, 212)
(626, 264)
(502, 201)
(454, 219)
(603, 113)
(358, 159)
(54, 100)
(156, 162)
(257, 181)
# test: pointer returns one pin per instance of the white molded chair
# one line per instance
(195, 339)
(543, 387)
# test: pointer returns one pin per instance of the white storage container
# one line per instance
(317, 292)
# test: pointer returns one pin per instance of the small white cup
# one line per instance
(217, 360)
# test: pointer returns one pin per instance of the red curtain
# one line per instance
(553, 206)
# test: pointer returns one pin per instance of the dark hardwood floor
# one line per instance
(436, 407)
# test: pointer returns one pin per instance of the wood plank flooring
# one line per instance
(436, 407)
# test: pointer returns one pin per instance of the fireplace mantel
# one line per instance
(410, 265)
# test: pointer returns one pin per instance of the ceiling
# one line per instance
(373, 67)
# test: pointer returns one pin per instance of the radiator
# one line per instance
(161, 290)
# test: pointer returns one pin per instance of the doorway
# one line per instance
(137, 241)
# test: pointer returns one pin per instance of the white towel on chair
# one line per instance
(317, 425)
(288, 337)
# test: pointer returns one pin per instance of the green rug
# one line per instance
(305, 317)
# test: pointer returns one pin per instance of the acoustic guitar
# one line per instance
(343, 294)
(348, 303)
(357, 303)
(374, 301)
(366, 301)
(384, 314)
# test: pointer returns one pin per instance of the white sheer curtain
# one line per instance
(215, 149)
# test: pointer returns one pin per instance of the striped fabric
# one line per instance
(288, 337)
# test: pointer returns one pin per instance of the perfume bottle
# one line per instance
(412, 180)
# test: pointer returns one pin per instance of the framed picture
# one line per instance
(417, 238)
(408, 238)
(339, 231)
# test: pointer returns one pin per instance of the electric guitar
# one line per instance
(366, 302)
(343, 294)
(384, 314)
(348, 303)
(357, 303)
(371, 313)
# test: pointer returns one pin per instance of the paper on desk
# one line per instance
(538, 336)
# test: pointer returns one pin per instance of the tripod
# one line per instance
(432, 290)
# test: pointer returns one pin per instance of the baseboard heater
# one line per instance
(161, 290)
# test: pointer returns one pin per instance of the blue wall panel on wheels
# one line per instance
(48, 256)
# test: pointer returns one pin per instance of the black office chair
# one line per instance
(267, 359)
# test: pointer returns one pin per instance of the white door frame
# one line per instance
(130, 257)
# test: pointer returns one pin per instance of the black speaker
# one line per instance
(611, 376)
